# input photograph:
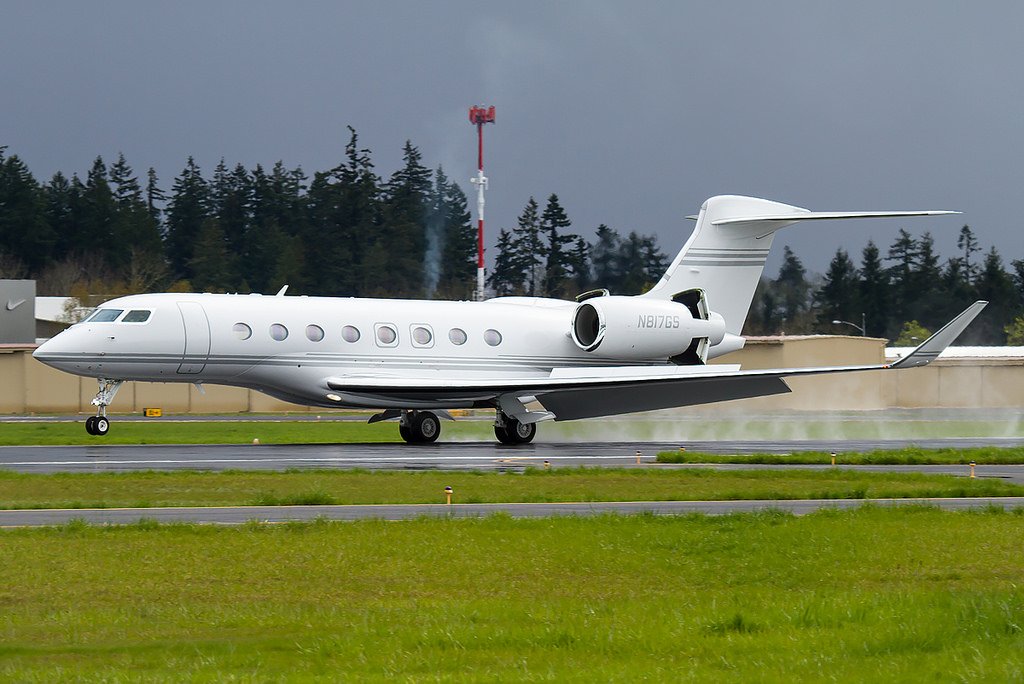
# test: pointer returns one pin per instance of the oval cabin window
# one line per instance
(314, 333)
(242, 331)
(457, 336)
(278, 332)
(492, 337)
(350, 333)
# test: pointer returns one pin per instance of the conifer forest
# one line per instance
(350, 231)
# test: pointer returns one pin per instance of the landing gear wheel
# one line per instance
(100, 426)
(515, 432)
(426, 427)
(420, 427)
(90, 424)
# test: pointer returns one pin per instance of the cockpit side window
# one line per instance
(104, 315)
(136, 316)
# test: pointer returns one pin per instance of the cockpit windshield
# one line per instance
(104, 315)
(136, 316)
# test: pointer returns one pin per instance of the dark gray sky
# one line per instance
(633, 112)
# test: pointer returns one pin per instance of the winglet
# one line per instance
(930, 349)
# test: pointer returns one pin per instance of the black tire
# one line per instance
(514, 432)
(406, 433)
(426, 427)
(90, 424)
(502, 434)
(101, 426)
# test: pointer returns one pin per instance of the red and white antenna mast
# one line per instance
(478, 116)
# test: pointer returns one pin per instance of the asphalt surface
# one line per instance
(235, 515)
(447, 455)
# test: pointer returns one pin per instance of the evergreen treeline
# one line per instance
(350, 232)
(904, 295)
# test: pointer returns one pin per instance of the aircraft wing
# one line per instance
(572, 393)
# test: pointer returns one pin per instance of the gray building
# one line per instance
(17, 311)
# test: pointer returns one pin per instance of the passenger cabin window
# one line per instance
(422, 336)
(350, 333)
(492, 337)
(278, 332)
(387, 336)
(457, 336)
(105, 315)
(136, 316)
(314, 333)
(242, 331)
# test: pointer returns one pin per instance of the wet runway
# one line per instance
(447, 455)
(235, 515)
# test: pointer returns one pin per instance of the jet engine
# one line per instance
(641, 328)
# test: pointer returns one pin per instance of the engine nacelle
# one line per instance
(640, 328)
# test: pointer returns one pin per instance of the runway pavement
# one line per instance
(448, 455)
(235, 515)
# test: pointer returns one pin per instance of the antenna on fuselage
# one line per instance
(280, 293)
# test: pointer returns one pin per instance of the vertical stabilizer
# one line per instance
(725, 261)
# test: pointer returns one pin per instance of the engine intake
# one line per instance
(641, 328)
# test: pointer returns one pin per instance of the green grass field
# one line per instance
(134, 489)
(870, 595)
(907, 456)
(679, 429)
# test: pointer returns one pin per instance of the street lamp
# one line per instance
(862, 327)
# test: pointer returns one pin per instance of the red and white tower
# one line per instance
(478, 116)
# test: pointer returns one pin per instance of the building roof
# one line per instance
(893, 353)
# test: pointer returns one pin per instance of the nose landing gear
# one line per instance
(99, 425)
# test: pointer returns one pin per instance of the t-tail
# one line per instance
(726, 253)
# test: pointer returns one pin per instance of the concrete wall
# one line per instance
(27, 386)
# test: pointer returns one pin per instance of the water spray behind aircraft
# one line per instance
(478, 116)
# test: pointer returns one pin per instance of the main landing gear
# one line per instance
(510, 431)
(419, 427)
(99, 425)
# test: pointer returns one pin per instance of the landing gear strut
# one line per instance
(419, 427)
(99, 425)
(508, 430)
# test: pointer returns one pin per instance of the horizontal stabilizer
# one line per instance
(822, 216)
(930, 349)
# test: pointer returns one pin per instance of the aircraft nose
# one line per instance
(45, 352)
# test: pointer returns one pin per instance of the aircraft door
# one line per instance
(197, 338)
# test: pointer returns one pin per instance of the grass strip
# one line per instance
(869, 595)
(226, 488)
(905, 456)
(166, 431)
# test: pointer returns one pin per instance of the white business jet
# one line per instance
(529, 358)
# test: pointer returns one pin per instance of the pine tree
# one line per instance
(529, 249)
(557, 267)
(968, 244)
(994, 285)
(154, 195)
(406, 209)
(186, 211)
(458, 257)
(874, 292)
(604, 254)
(99, 219)
(929, 301)
(837, 298)
(508, 275)
(135, 229)
(25, 236)
(793, 289)
(904, 254)
(579, 264)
